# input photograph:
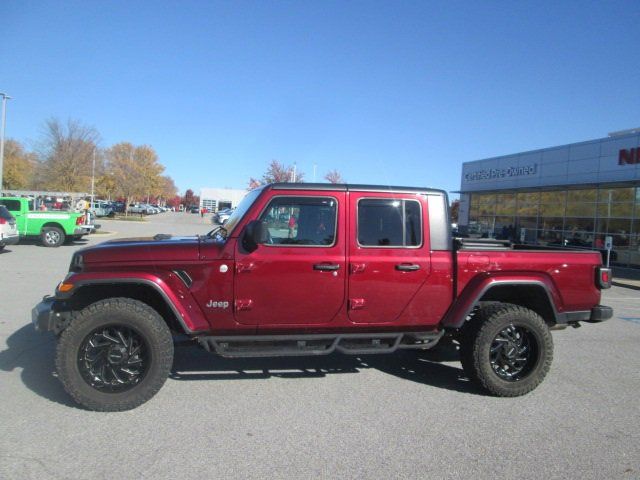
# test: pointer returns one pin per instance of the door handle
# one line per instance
(326, 267)
(407, 267)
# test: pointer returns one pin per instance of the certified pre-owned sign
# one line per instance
(491, 173)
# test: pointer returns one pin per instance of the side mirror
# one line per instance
(253, 235)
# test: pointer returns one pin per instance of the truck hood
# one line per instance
(144, 249)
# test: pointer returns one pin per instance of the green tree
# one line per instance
(18, 166)
(135, 171)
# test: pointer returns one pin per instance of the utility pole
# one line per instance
(93, 177)
(5, 97)
(293, 173)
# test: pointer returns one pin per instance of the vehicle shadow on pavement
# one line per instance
(34, 353)
(421, 366)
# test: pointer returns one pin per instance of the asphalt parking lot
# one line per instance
(409, 415)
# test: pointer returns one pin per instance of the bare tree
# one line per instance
(334, 176)
(278, 173)
(67, 154)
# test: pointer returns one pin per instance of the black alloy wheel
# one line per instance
(114, 355)
(113, 358)
(514, 352)
(506, 349)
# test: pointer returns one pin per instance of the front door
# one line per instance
(388, 255)
(297, 275)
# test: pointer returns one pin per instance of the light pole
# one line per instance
(93, 177)
(5, 97)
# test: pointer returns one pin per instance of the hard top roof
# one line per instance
(350, 187)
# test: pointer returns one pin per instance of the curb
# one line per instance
(625, 285)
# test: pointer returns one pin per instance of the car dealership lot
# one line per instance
(408, 415)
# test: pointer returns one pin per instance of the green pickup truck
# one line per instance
(53, 227)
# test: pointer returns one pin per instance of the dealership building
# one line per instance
(214, 199)
(571, 195)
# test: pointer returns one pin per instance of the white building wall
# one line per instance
(213, 196)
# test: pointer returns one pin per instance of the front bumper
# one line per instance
(45, 318)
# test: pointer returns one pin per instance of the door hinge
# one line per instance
(244, 267)
(356, 303)
(245, 304)
(358, 267)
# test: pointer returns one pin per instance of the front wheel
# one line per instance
(52, 236)
(506, 349)
(115, 355)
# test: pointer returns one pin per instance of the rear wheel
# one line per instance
(506, 349)
(52, 236)
(115, 355)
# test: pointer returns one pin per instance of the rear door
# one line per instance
(297, 276)
(388, 254)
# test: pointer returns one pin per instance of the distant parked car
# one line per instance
(101, 208)
(195, 209)
(138, 208)
(150, 209)
(8, 230)
(221, 216)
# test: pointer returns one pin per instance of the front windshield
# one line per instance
(239, 212)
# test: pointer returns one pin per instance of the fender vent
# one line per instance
(184, 276)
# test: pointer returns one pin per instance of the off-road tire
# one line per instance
(122, 313)
(52, 237)
(480, 333)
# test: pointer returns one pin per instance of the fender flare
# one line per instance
(480, 285)
(187, 323)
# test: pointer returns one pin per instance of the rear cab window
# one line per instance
(11, 205)
(389, 223)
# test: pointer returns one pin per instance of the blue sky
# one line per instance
(392, 92)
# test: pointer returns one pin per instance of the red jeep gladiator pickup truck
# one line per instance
(311, 269)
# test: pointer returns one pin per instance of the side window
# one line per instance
(12, 205)
(389, 223)
(301, 221)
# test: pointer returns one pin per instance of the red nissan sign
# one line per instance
(629, 156)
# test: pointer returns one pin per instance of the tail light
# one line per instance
(3, 221)
(604, 277)
(80, 220)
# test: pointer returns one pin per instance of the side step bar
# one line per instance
(322, 344)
